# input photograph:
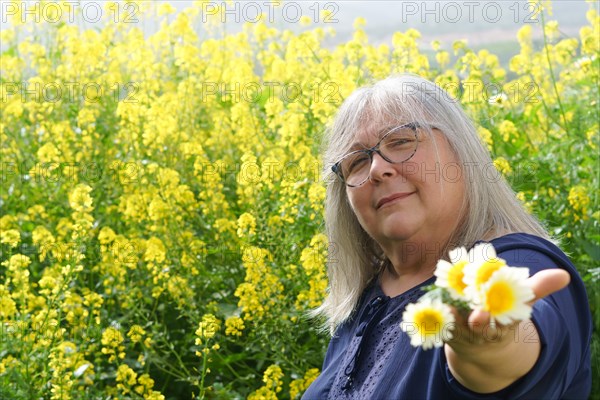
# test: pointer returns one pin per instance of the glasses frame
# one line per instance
(336, 168)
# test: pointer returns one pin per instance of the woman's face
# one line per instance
(417, 202)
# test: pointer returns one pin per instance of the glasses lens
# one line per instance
(396, 146)
(355, 167)
(399, 145)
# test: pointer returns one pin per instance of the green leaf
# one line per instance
(592, 249)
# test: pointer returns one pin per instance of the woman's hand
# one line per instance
(486, 359)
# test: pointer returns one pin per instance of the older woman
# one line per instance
(413, 181)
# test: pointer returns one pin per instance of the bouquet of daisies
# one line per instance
(474, 279)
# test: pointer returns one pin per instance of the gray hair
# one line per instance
(492, 209)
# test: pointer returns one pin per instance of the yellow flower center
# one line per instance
(455, 277)
(499, 298)
(486, 270)
(429, 320)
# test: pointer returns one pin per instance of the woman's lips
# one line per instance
(392, 198)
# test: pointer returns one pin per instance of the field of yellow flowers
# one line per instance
(161, 205)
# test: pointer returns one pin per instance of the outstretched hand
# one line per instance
(486, 358)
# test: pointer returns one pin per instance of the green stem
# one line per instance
(229, 367)
(547, 109)
(203, 373)
(551, 70)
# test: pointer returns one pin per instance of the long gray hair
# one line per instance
(491, 208)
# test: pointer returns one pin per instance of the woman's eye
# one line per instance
(357, 162)
(399, 142)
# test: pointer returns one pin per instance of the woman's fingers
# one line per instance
(543, 283)
(479, 317)
(548, 281)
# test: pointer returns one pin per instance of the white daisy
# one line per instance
(498, 99)
(450, 274)
(506, 294)
(483, 263)
(428, 322)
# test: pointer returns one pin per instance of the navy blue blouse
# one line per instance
(369, 357)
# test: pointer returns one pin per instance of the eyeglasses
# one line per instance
(396, 146)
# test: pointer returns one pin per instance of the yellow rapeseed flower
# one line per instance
(126, 378)
(502, 165)
(106, 235)
(207, 328)
(263, 393)
(359, 23)
(273, 378)
(551, 29)
(508, 130)
(165, 9)
(136, 333)
(17, 262)
(80, 199)
(155, 250)
(145, 384)
(246, 225)
(234, 326)
(442, 58)
(578, 198)
(112, 340)
(12, 237)
(305, 20)
(459, 45)
(298, 386)
(486, 137)
(8, 307)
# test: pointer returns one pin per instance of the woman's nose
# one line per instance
(380, 168)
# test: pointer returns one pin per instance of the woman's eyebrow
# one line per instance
(361, 146)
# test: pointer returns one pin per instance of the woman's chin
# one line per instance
(398, 233)
(400, 226)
